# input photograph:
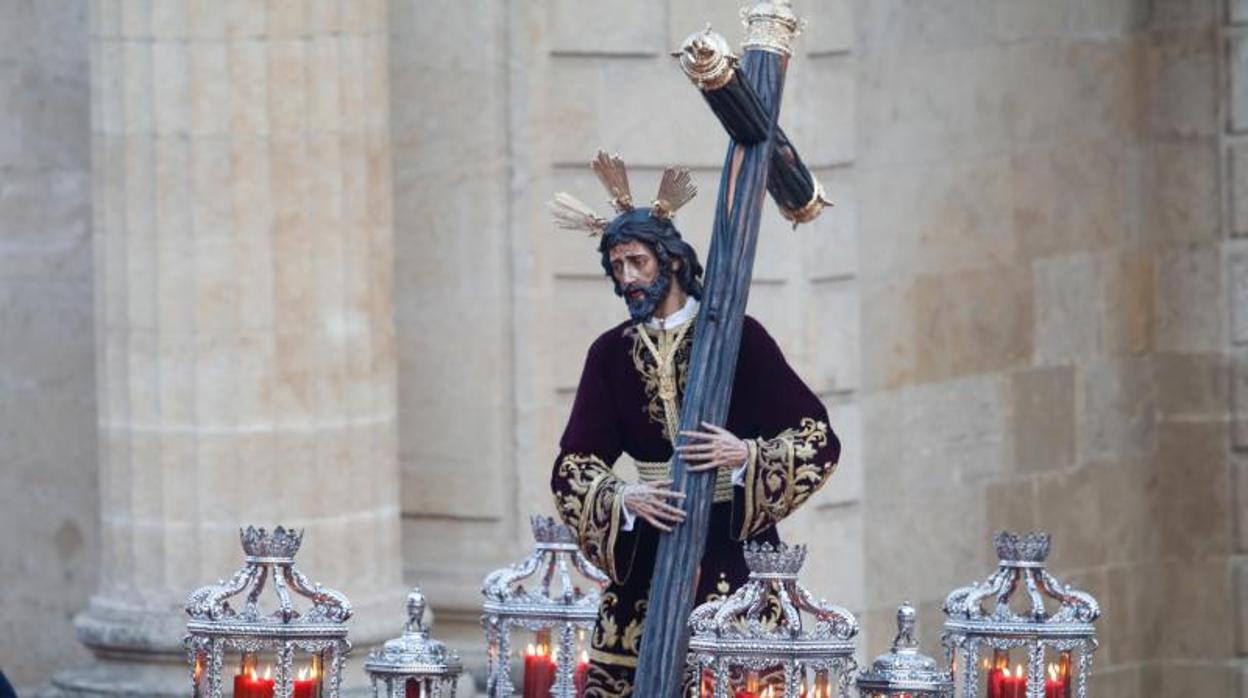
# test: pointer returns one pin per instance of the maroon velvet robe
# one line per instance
(620, 407)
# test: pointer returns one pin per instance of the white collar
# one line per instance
(676, 319)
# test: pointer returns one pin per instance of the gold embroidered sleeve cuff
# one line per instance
(588, 499)
(781, 473)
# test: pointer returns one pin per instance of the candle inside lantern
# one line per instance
(539, 668)
(582, 674)
(307, 683)
(248, 684)
(1057, 684)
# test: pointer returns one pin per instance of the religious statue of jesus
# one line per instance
(774, 451)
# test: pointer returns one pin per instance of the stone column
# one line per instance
(246, 351)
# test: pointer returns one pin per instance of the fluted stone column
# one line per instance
(246, 351)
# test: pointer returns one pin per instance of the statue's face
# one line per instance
(640, 276)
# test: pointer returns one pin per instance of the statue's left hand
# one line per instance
(711, 448)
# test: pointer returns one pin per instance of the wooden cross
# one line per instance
(748, 108)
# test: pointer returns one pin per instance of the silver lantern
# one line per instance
(554, 608)
(414, 665)
(756, 643)
(903, 672)
(1036, 643)
(291, 651)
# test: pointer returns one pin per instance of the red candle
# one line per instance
(1057, 684)
(411, 689)
(582, 674)
(306, 684)
(248, 685)
(539, 672)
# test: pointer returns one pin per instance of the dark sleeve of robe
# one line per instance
(794, 451)
(586, 490)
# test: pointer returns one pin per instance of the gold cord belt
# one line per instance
(653, 472)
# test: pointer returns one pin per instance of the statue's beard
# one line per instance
(642, 307)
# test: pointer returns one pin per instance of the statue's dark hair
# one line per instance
(663, 240)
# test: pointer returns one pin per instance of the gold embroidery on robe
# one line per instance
(662, 360)
(781, 473)
(591, 506)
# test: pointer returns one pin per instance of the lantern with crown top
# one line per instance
(1033, 643)
(755, 642)
(555, 609)
(295, 650)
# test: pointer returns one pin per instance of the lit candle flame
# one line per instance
(585, 656)
(268, 672)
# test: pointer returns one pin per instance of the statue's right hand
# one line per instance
(655, 502)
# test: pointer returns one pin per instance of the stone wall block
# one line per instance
(1096, 74)
(1128, 287)
(1239, 571)
(1239, 475)
(171, 85)
(974, 322)
(136, 86)
(1201, 625)
(924, 28)
(890, 348)
(1114, 410)
(605, 27)
(584, 109)
(170, 20)
(288, 108)
(820, 108)
(1189, 280)
(136, 19)
(1069, 198)
(846, 485)
(1192, 387)
(1182, 181)
(1177, 95)
(910, 112)
(245, 19)
(207, 18)
(1043, 418)
(830, 243)
(1194, 474)
(889, 536)
(1068, 308)
(1236, 172)
(957, 217)
(832, 320)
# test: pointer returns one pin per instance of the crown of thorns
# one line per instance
(675, 190)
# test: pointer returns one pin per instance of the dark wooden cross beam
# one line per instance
(771, 27)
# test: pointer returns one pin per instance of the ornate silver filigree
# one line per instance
(560, 607)
(771, 25)
(904, 670)
(760, 627)
(1050, 614)
(414, 656)
(216, 627)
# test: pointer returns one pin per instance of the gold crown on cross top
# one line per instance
(676, 188)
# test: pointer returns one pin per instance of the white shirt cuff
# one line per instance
(629, 518)
(738, 475)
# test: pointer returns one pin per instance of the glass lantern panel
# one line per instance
(254, 675)
(1003, 673)
(536, 657)
(769, 683)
